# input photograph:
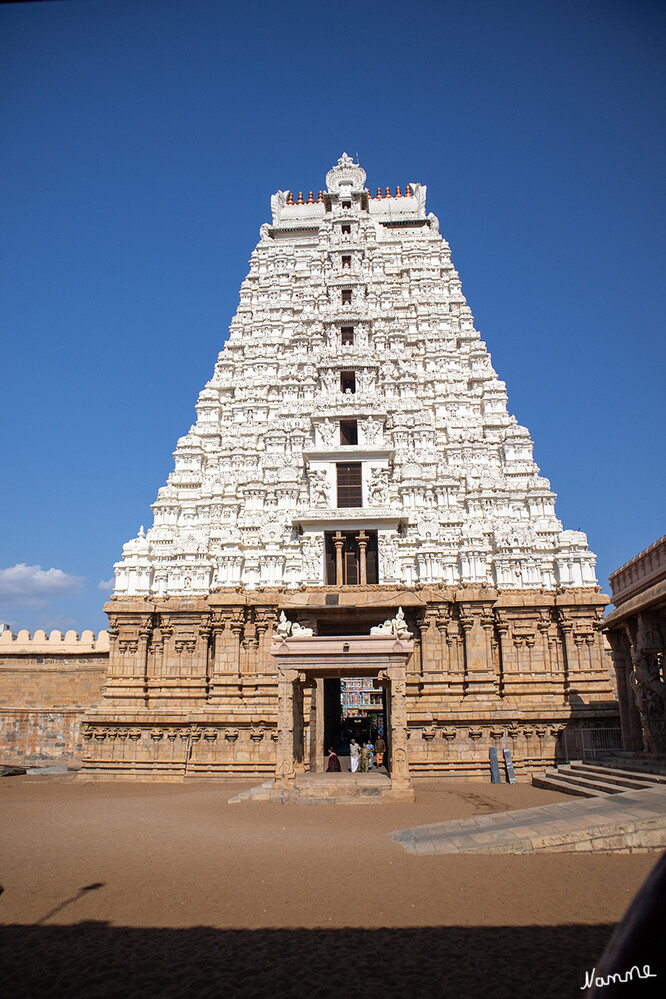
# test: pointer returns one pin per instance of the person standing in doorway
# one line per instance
(380, 749)
(364, 759)
(354, 753)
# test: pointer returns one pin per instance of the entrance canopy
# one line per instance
(342, 655)
(302, 661)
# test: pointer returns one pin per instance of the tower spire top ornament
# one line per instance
(346, 176)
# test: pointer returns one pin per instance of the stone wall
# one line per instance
(47, 682)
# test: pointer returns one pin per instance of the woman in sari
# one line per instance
(333, 763)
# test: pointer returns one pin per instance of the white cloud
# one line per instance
(33, 586)
(107, 584)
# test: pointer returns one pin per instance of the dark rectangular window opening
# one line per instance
(346, 261)
(346, 204)
(347, 382)
(350, 492)
(348, 432)
(346, 296)
(347, 336)
(355, 547)
(346, 230)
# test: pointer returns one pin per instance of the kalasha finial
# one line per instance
(387, 192)
(299, 200)
(290, 198)
(320, 199)
(379, 192)
(310, 200)
(398, 192)
(408, 191)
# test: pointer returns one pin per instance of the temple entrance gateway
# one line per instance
(369, 462)
(306, 665)
(354, 707)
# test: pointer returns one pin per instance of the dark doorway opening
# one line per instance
(353, 708)
(332, 716)
(351, 558)
(348, 432)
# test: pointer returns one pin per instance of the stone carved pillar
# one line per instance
(204, 656)
(442, 622)
(398, 732)
(226, 627)
(630, 718)
(647, 678)
(299, 724)
(142, 662)
(570, 651)
(505, 648)
(479, 671)
(426, 625)
(127, 680)
(317, 748)
(543, 627)
(284, 763)
(264, 621)
(339, 543)
(362, 542)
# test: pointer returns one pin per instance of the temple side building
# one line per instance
(636, 631)
(352, 467)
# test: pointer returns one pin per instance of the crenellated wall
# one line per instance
(47, 682)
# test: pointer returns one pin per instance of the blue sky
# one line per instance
(141, 141)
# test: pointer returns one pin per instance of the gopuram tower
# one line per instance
(353, 465)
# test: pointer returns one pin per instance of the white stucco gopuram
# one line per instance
(353, 311)
(353, 501)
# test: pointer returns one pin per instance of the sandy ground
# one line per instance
(128, 889)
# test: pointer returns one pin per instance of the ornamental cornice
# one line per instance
(351, 452)
(349, 518)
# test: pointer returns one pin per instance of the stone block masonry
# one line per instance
(47, 682)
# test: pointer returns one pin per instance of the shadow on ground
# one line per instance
(98, 961)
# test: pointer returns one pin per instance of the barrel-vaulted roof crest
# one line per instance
(346, 175)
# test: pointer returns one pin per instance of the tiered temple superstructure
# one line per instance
(352, 455)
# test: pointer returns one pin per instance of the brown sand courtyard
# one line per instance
(148, 890)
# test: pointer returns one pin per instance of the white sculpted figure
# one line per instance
(371, 429)
(379, 479)
(284, 626)
(318, 488)
(327, 432)
(383, 629)
(400, 625)
(397, 626)
(298, 630)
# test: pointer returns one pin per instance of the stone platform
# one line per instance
(629, 822)
(329, 789)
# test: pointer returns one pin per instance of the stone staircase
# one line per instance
(328, 789)
(588, 780)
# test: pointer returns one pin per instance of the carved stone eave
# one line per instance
(654, 597)
(350, 518)
(357, 647)
(352, 452)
